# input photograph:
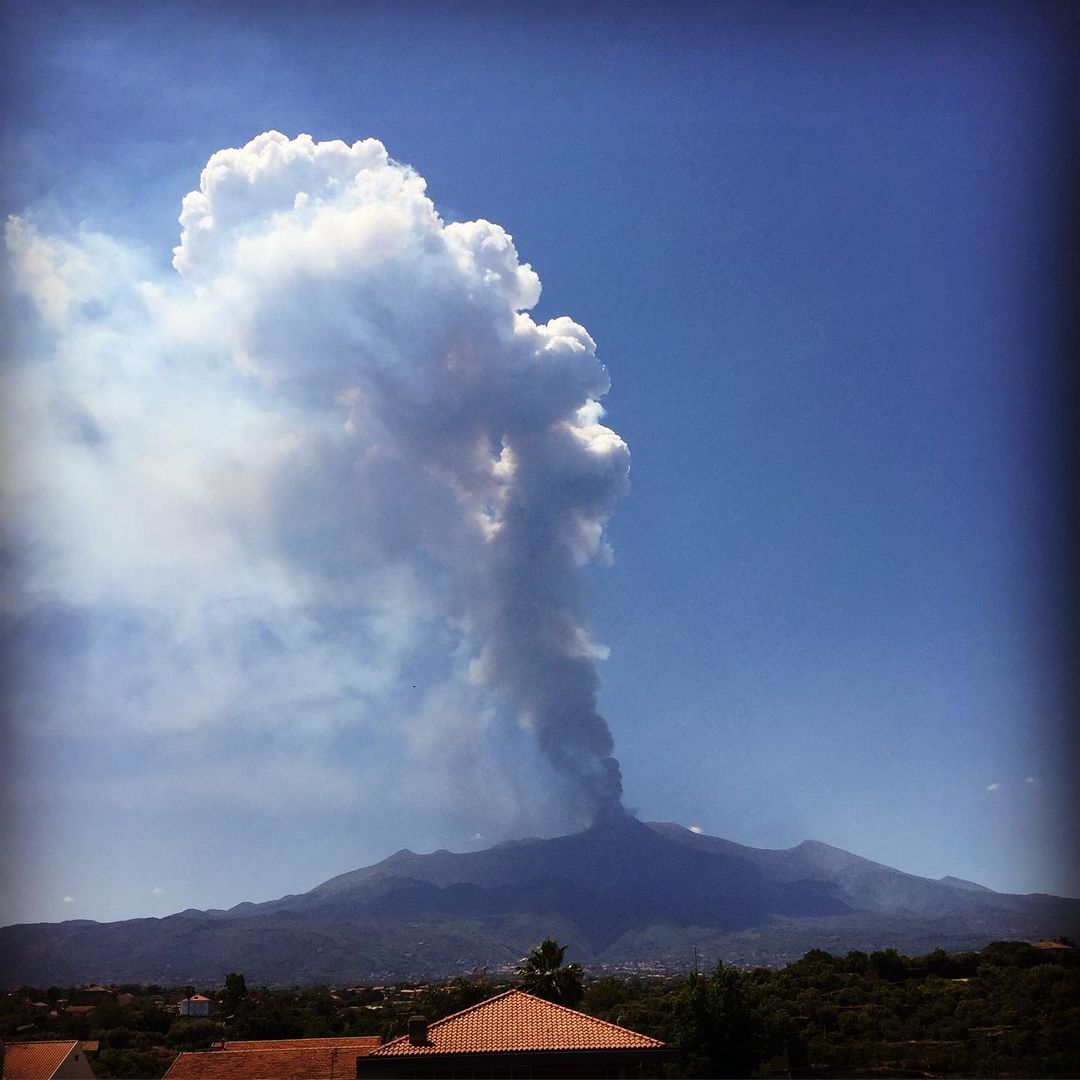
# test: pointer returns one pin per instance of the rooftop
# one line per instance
(282, 1059)
(35, 1060)
(516, 1021)
(361, 1041)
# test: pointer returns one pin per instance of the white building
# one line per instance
(196, 1005)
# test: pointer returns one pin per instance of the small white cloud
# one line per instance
(69, 899)
(1031, 779)
(696, 829)
(993, 787)
(157, 890)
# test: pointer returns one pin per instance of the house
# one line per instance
(59, 1060)
(196, 1005)
(519, 1036)
(92, 995)
(275, 1059)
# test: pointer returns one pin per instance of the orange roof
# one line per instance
(35, 1060)
(516, 1021)
(363, 1042)
(1050, 945)
(280, 1059)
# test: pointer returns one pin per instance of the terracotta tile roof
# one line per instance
(514, 1021)
(364, 1042)
(276, 1061)
(35, 1060)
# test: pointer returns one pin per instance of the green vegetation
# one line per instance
(543, 973)
(1010, 1010)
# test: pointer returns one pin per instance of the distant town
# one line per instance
(1009, 1009)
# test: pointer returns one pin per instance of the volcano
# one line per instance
(625, 895)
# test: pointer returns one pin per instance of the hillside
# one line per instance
(625, 893)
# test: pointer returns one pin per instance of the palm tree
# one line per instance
(542, 973)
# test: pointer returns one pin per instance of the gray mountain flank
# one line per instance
(624, 894)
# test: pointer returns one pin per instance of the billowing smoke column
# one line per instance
(408, 432)
(454, 398)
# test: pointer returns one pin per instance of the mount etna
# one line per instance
(624, 894)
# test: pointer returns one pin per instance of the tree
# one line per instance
(234, 992)
(716, 1027)
(543, 974)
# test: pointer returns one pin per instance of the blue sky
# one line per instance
(818, 247)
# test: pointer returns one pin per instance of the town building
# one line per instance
(520, 1037)
(58, 1060)
(92, 995)
(275, 1059)
(196, 1005)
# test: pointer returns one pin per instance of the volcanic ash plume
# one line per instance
(348, 479)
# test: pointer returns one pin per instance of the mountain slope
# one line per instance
(862, 884)
(620, 893)
(606, 879)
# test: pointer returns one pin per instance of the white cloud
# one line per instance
(69, 899)
(696, 829)
(331, 477)
(993, 787)
(1031, 779)
(157, 890)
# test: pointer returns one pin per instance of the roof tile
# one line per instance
(281, 1059)
(514, 1021)
(35, 1060)
(361, 1041)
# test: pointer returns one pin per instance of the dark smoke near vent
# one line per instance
(343, 453)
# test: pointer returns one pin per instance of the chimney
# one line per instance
(418, 1031)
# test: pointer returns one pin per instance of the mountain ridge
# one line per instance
(625, 892)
